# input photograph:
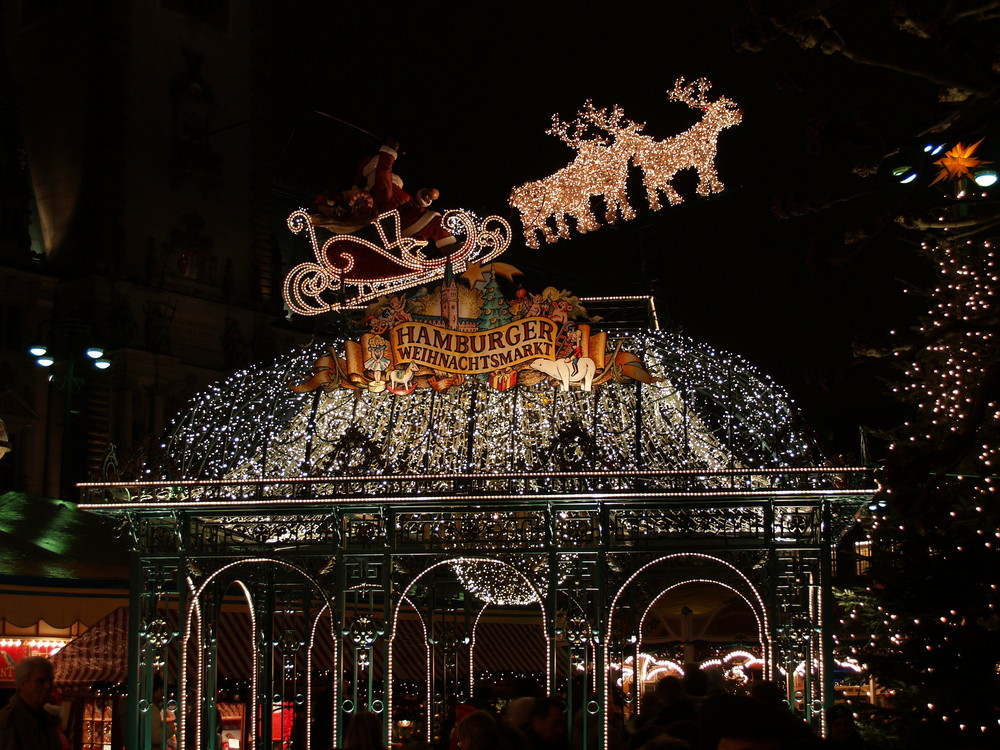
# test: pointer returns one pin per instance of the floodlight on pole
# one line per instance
(985, 177)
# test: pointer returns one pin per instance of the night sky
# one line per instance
(470, 96)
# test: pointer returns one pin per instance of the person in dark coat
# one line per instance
(24, 722)
(546, 728)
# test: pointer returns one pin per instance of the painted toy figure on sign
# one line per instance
(401, 379)
(565, 371)
(377, 362)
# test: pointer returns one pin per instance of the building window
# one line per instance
(12, 328)
(862, 557)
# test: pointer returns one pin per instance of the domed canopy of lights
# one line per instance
(709, 411)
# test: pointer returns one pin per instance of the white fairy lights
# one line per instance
(193, 641)
(963, 350)
(600, 168)
(709, 417)
(711, 412)
(494, 582)
(950, 376)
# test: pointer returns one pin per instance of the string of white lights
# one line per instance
(710, 412)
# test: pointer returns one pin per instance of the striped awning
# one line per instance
(509, 647)
(98, 656)
(499, 647)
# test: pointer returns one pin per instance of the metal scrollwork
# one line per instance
(364, 631)
(487, 530)
(157, 634)
(288, 643)
(577, 631)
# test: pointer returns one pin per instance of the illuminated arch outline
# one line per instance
(195, 608)
(765, 634)
(404, 597)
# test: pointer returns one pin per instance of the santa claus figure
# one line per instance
(376, 177)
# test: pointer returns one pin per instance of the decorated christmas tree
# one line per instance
(928, 626)
(495, 312)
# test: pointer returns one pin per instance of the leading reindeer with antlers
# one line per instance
(601, 168)
(567, 192)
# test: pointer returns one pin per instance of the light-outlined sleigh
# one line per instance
(352, 268)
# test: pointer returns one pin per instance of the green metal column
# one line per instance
(826, 615)
(136, 731)
(264, 643)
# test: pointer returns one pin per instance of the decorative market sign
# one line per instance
(441, 336)
(474, 353)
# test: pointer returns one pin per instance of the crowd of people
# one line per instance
(679, 713)
(689, 713)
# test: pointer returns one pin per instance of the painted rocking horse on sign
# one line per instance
(383, 240)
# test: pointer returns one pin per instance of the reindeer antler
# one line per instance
(572, 138)
(694, 94)
(612, 122)
(573, 133)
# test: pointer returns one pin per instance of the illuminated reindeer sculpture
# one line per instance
(695, 148)
(601, 164)
(597, 170)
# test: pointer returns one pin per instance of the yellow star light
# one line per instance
(958, 162)
(475, 271)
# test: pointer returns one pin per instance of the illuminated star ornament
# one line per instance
(606, 143)
(958, 162)
(477, 274)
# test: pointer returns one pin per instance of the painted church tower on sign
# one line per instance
(449, 298)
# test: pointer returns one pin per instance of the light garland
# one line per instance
(600, 168)
(494, 582)
(252, 428)
(335, 642)
(755, 607)
(390, 683)
(193, 641)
